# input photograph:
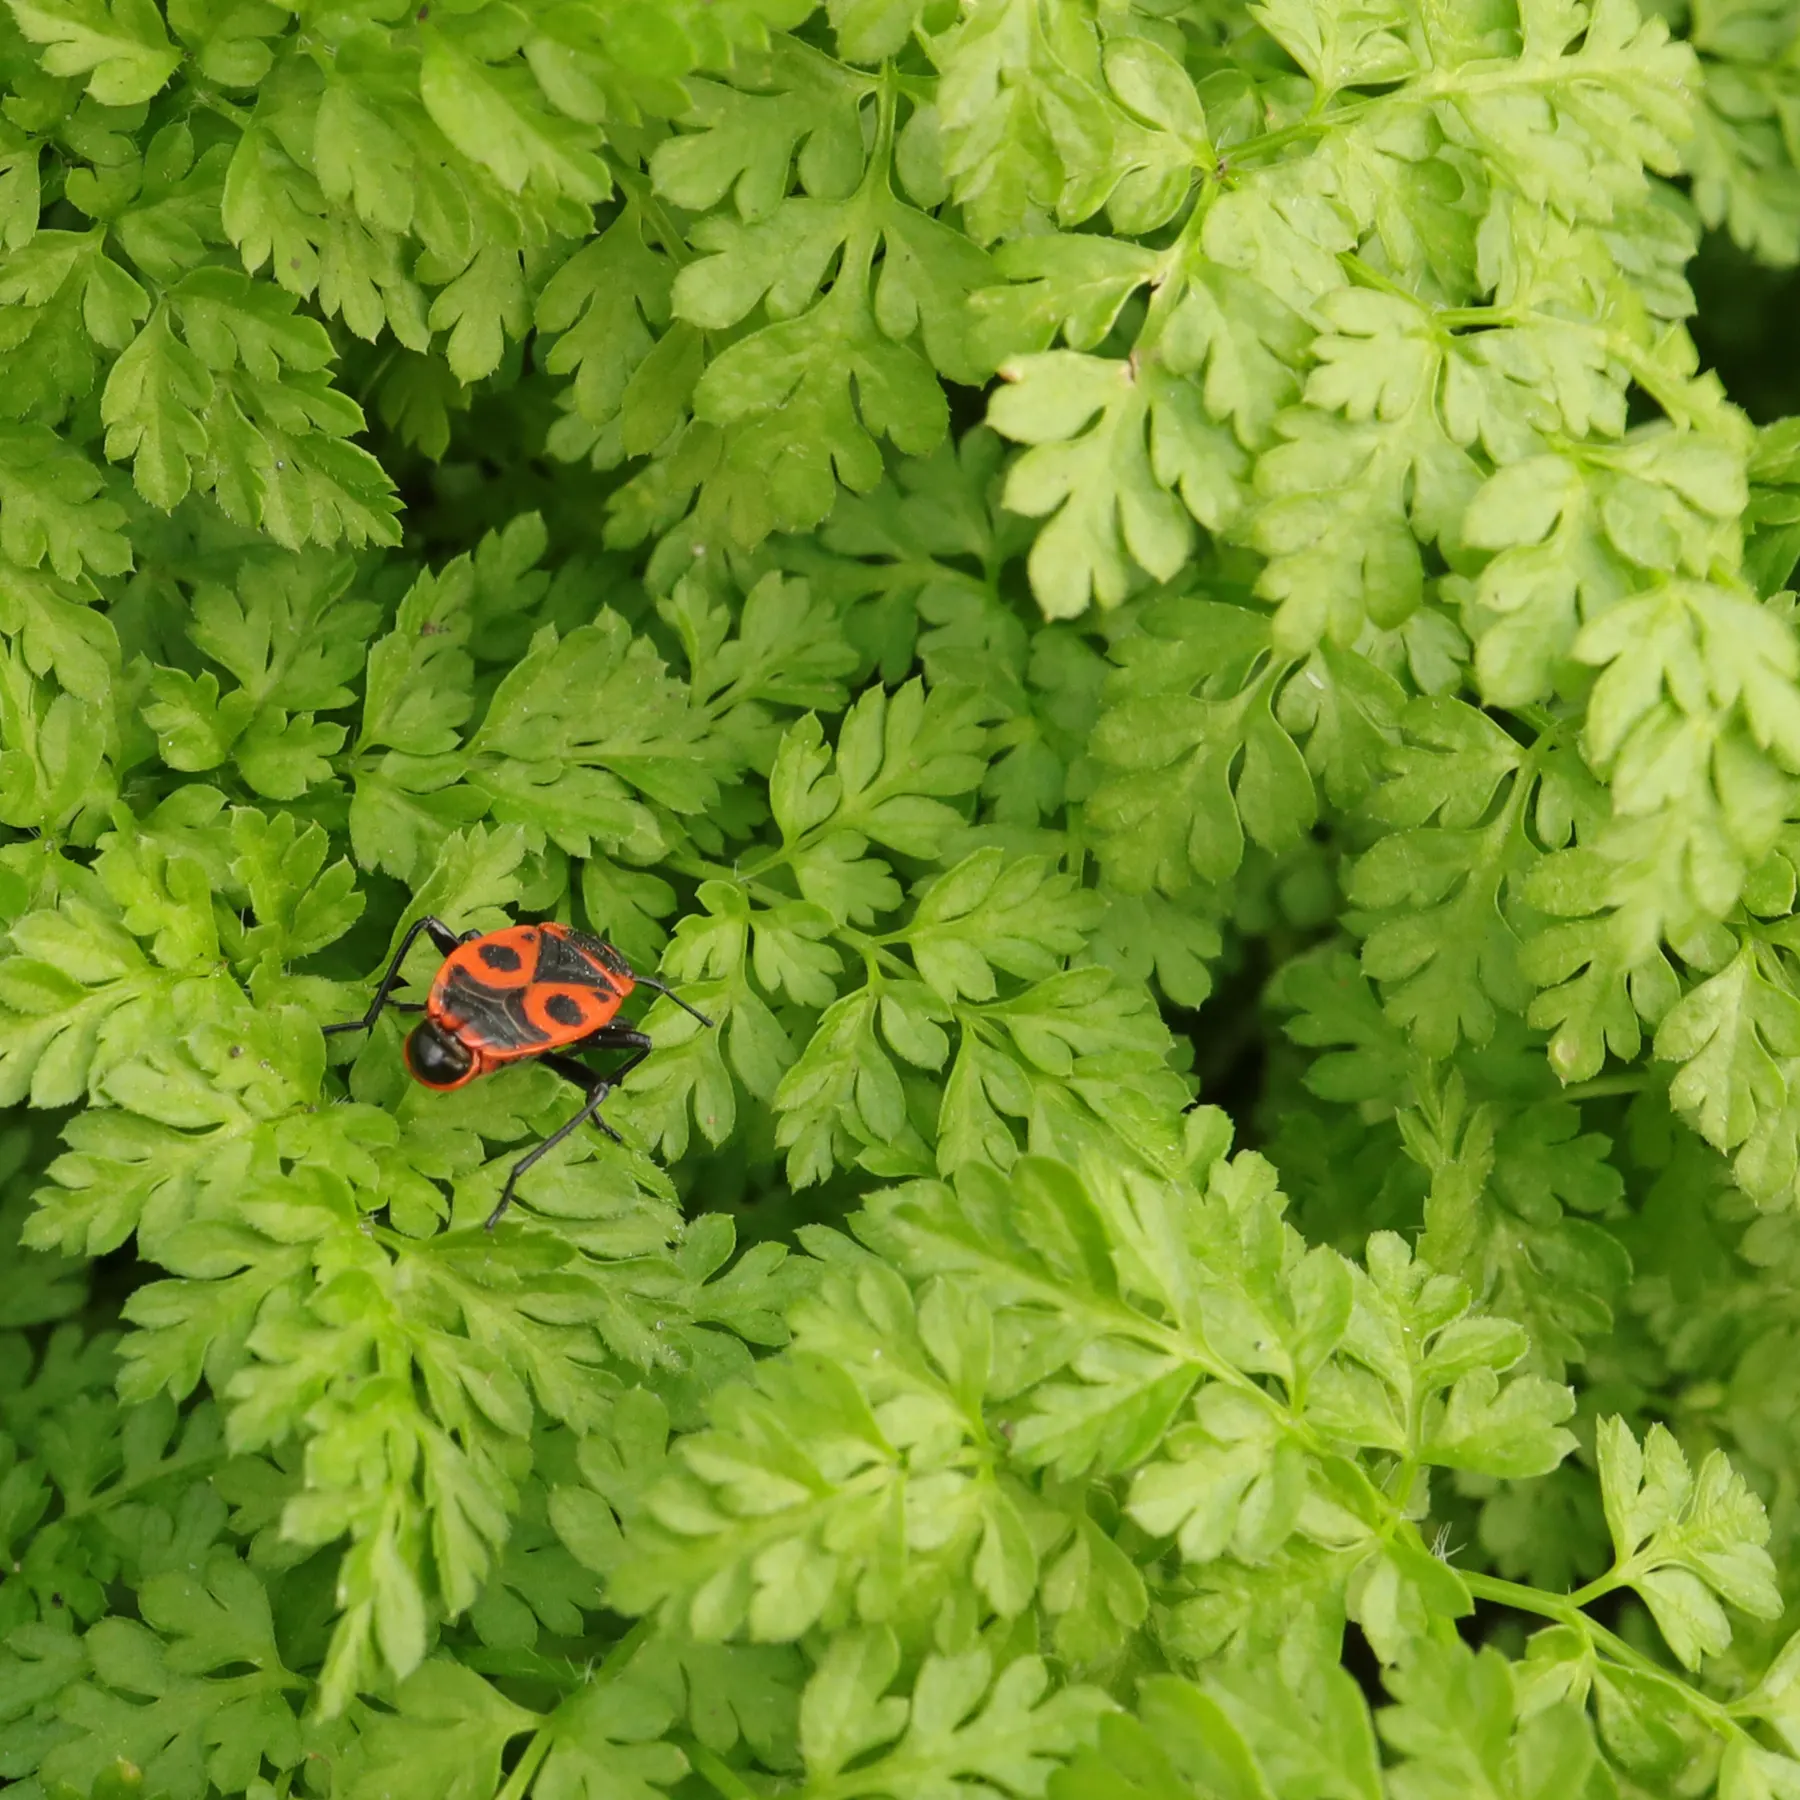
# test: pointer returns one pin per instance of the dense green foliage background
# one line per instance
(1157, 606)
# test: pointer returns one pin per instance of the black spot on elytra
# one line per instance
(563, 1009)
(500, 956)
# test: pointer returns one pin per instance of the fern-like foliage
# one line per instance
(1148, 604)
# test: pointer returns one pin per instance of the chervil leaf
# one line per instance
(68, 301)
(51, 510)
(1367, 597)
(449, 1726)
(419, 674)
(1570, 534)
(1733, 1034)
(1458, 1722)
(788, 651)
(742, 143)
(1412, 477)
(1031, 122)
(1684, 1542)
(1196, 771)
(1182, 1735)
(600, 699)
(982, 916)
(1629, 885)
(1437, 889)
(1407, 1318)
(964, 1727)
(752, 1535)
(493, 114)
(150, 1699)
(607, 302)
(271, 446)
(1108, 486)
(123, 52)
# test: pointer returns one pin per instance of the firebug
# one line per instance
(528, 992)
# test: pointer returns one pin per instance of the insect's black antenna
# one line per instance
(646, 981)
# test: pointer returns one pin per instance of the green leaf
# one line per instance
(150, 1700)
(1437, 1390)
(1570, 535)
(1073, 286)
(492, 114)
(1686, 1543)
(300, 905)
(1185, 1739)
(609, 301)
(983, 915)
(600, 699)
(1191, 774)
(419, 675)
(484, 306)
(1029, 123)
(447, 1733)
(240, 405)
(605, 1741)
(1231, 1484)
(51, 510)
(795, 1504)
(1433, 896)
(124, 51)
(744, 143)
(1460, 1726)
(1109, 486)
(1735, 1036)
(965, 1728)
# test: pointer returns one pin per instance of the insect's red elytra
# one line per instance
(526, 992)
(512, 994)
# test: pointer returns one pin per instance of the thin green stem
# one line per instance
(1600, 1586)
(129, 1484)
(523, 1665)
(887, 111)
(1604, 1086)
(200, 94)
(1364, 275)
(718, 1773)
(367, 386)
(616, 1658)
(1185, 1345)
(1168, 288)
(1541, 720)
(1314, 126)
(1565, 1609)
(850, 289)
(624, 1650)
(522, 1777)
(876, 957)
(636, 189)
(775, 859)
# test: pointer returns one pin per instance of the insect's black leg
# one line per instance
(597, 1087)
(619, 1037)
(441, 935)
(646, 981)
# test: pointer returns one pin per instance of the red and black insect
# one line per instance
(530, 992)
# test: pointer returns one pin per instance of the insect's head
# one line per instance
(437, 1058)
